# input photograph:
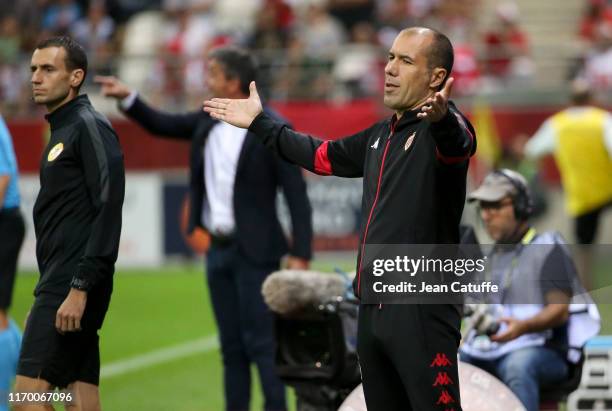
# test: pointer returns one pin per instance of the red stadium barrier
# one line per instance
(320, 119)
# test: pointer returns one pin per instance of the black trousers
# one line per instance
(408, 357)
(246, 327)
(586, 225)
(12, 232)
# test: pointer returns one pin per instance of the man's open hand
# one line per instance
(237, 112)
(70, 313)
(436, 107)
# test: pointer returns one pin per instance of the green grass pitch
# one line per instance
(152, 310)
(156, 309)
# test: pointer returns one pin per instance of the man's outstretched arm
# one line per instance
(157, 122)
(342, 157)
(454, 135)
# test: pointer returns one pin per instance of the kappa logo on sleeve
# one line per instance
(440, 360)
(55, 151)
(445, 398)
(443, 379)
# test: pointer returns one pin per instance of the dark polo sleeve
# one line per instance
(102, 161)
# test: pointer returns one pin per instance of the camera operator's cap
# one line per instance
(497, 185)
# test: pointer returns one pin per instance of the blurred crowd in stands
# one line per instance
(595, 64)
(307, 49)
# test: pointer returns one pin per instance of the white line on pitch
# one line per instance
(164, 355)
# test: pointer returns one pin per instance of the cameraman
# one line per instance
(535, 274)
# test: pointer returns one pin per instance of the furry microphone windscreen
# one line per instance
(289, 292)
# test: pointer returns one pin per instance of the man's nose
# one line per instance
(35, 77)
(485, 214)
(391, 68)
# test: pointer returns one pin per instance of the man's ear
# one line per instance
(438, 75)
(76, 78)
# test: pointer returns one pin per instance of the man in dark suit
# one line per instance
(233, 185)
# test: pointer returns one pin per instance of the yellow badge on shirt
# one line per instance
(55, 151)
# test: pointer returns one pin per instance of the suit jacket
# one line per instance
(259, 174)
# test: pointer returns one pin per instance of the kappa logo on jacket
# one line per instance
(55, 151)
(375, 145)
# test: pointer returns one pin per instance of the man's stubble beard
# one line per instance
(50, 101)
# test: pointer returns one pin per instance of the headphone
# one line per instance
(521, 201)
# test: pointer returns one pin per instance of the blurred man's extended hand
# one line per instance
(112, 87)
(237, 112)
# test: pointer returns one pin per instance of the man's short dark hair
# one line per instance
(75, 53)
(581, 93)
(237, 63)
(441, 54)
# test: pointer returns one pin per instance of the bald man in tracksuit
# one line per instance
(414, 167)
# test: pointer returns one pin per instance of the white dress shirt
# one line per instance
(221, 153)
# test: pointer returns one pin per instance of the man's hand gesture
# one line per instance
(112, 87)
(435, 107)
(237, 112)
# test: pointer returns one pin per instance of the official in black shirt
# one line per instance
(77, 219)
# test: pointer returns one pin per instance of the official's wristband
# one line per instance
(80, 284)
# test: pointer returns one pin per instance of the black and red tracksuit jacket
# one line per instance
(414, 174)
